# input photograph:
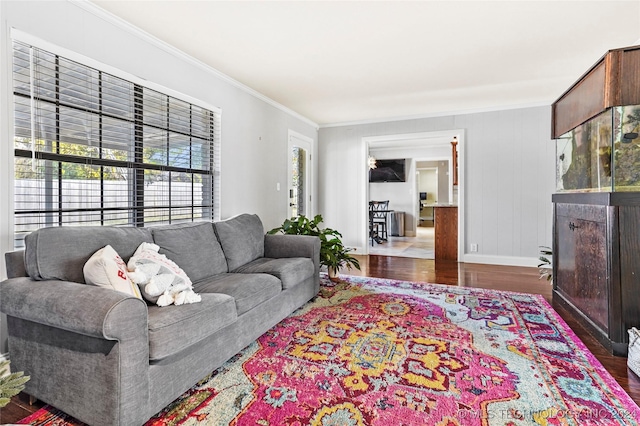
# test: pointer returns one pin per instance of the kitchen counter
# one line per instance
(446, 231)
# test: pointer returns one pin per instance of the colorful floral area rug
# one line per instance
(383, 352)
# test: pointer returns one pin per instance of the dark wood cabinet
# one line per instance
(612, 81)
(582, 274)
(596, 238)
(597, 262)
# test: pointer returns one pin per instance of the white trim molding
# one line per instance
(132, 29)
(501, 260)
(31, 40)
(412, 138)
(436, 114)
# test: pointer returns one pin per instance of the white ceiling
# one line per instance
(346, 61)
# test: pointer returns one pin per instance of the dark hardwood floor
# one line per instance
(509, 278)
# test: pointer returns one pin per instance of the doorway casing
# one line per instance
(424, 139)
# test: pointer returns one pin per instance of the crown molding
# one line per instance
(31, 40)
(436, 114)
(132, 29)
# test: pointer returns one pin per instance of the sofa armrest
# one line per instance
(91, 342)
(283, 245)
(79, 308)
(14, 260)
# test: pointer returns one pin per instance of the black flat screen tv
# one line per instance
(388, 171)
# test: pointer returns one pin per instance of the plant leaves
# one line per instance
(332, 251)
(10, 384)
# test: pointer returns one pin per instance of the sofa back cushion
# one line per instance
(59, 253)
(193, 247)
(242, 239)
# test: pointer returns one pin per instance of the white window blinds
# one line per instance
(95, 149)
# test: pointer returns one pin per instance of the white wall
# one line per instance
(509, 178)
(428, 182)
(254, 131)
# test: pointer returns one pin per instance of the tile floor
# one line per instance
(420, 247)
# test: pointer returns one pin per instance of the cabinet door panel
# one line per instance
(582, 266)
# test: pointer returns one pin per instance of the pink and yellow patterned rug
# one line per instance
(383, 352)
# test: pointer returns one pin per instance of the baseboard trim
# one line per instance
(501, 260)
(358, 250)
(531, 262)
(4, 357)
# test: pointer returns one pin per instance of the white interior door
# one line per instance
(299, 186)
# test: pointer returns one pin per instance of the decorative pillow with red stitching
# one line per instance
(107, 269)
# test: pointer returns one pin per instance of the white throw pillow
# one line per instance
(161, 281)
(107, 269)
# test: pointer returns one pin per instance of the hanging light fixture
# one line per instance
(372, 162)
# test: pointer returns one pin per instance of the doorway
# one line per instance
(432, 184)
(299, 175)
(427, 184)
(425, 150)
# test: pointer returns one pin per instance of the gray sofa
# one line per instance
(107, 358)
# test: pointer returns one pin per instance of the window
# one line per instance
(95, 149)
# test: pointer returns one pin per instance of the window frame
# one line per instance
(138, 166)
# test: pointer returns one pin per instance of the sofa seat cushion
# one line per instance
(174, 328)
(290, 271)
(192, 246)
(248, 290)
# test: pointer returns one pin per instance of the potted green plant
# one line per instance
(545, 267)
(333, 254)
(337, 256)
(10, 383)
